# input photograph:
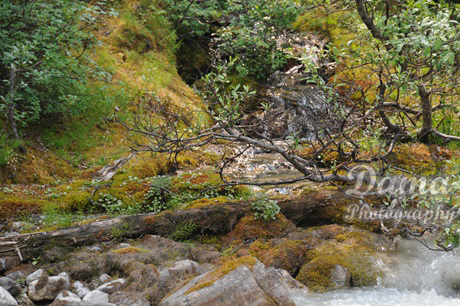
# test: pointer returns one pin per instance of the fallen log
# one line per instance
(218, 219)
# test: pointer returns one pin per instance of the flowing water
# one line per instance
(414, 276)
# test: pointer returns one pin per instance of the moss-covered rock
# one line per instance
(251, 228)
(353, 250)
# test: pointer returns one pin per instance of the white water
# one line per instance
(414, 275)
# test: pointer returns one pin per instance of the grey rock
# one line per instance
(6, 299)
(10, 285)
(16, 275)
(34, 276)
(272, 283)
(79, 289)
(128, 298)
(340, 277)
(123, 245)
(47, 288)
(262, 286)
(66, 297)
(96, 296)
(112, 286)
(104, 278)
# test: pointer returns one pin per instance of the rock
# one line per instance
(129, 299)
(6, 299)
(16, 275)
(47, 288)
(24, 300)
(240, 286)
(10, 285)
(272, 283)
(65, 298)
(97, 297)
(104, 278)
(340, 277)
(34, 276)
(172, 276)
(79, 289)
(112, 286)
(123, 245)
(8, 263)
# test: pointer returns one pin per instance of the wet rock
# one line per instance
(340, 277)
(97, 297)
(6, 299)
(10, 285)
(112, 286)
(240, 286)
(34, 276)
(48, 287)
(66, 298)
(79, 289)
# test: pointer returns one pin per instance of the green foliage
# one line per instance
(225, 103)
(183, 231)
(43, 42)
(7, 148)
(159, 197)
(265, 209)
(111, 204)
(54, 216)
(247, 29)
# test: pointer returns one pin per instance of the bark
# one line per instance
(216, 219)
(427, 120)
(368, 21)
(12, 106)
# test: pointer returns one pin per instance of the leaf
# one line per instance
(438, 44)
(427, 51)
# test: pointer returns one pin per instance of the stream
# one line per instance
(414, 275)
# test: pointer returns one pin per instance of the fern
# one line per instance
(183, 231)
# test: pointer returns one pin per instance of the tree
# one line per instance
(43, 68)
(401, 58)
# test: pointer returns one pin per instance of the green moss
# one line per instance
(354, 250)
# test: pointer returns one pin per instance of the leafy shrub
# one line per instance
(265, 209)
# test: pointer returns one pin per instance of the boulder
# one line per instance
(10, 285)
(34, 276)
(66, 298)
(79, 289)
(48, 287)
(6, 299)
(112, 286)
(240, 286)
(97, 297)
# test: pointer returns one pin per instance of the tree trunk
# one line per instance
(427, 119)
(11, 106)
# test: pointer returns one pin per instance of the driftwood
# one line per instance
(218, 219)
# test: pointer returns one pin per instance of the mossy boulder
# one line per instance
(325, 273)
(288, 255)
(251, 228)
(354, 251)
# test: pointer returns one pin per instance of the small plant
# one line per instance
(265, 209)
(111, 204)
(120, 230)
(158, 197)
(183, 231)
